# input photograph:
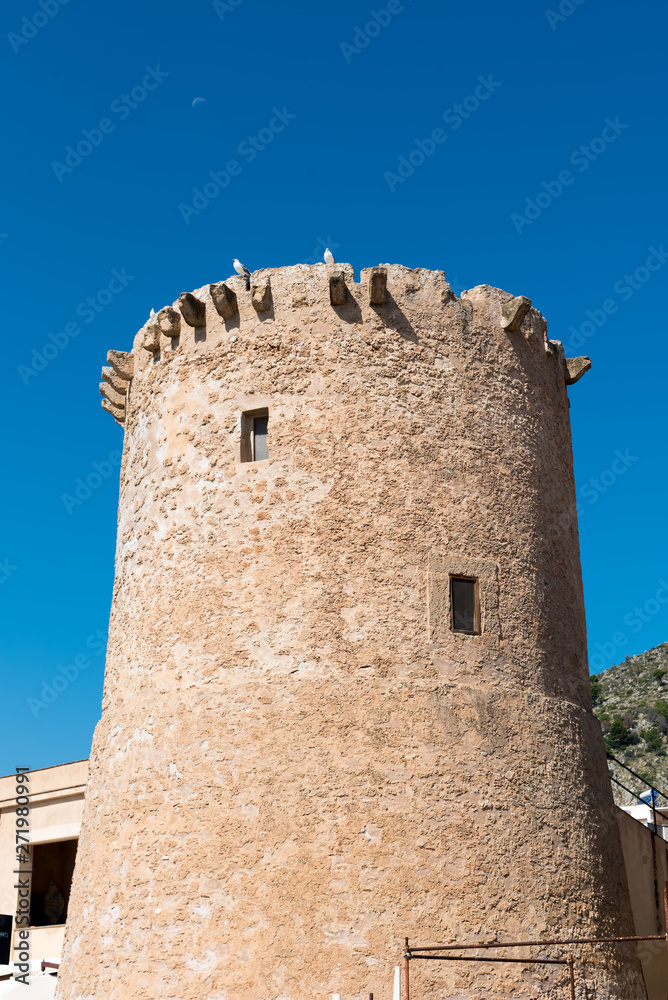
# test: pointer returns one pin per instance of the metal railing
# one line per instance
(435, 953)
(656, 792)
(452, 951)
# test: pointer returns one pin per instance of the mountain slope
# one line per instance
(630, 700)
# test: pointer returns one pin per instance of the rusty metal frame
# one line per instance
(427, 952)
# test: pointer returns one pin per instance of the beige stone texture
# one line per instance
(298, 763)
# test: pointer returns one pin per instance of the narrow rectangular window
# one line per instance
(464, 604)
(254, 436)
(259, 437)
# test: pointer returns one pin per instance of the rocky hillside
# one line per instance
(631, 703)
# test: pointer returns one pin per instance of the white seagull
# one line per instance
(241, 268)
(329, 256)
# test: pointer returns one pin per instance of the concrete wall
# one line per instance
(299, 762)
(56, 807)
(646, 862)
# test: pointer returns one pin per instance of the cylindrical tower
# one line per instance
(347, 696)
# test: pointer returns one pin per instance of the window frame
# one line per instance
(253, 419)
(476, 604)
(441, 565)
(247, 443)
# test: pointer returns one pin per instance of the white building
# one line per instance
(54, 809)
(643, 812)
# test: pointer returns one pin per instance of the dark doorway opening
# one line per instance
(52, 870)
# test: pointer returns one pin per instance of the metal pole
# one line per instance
(406, 973)
(572, 973)
(495, 958)
(537, 944)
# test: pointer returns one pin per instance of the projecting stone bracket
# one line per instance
(116, 398)
(261, 296)
(151, 341)
(169, 321)
(224, 300)
(377, 286)
(192, 309)
(513, 312)
(117, 412)
(116, 383)
(113, 402)
(337, 288)
(123, 363)
(576, 368)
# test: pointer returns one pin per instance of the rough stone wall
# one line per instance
(298, 762)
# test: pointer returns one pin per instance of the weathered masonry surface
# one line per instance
(299, 761)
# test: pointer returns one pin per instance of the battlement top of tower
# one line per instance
(391, 306)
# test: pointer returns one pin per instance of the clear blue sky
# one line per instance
(333, 110)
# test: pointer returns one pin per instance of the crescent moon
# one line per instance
(198, 101)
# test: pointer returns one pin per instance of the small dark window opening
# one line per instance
(259, 437)
(464, 604)
(254, 434)
(51, 881)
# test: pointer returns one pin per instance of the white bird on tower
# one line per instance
(329, 256)
(241, 268)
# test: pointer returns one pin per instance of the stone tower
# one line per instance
(346, 695)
